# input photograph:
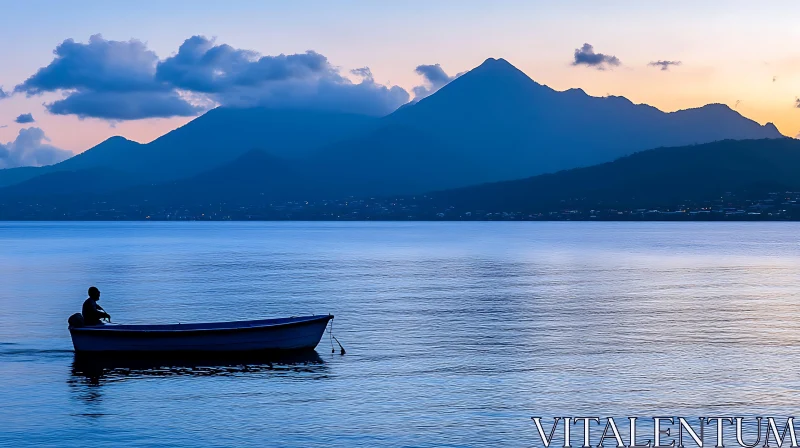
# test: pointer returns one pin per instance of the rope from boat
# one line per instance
(333, 338)
(330, 336)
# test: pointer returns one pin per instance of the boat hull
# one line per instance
(295, 333)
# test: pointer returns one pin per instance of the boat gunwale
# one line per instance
(242, 326)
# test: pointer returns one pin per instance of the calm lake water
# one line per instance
(456, 333)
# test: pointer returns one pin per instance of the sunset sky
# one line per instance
(740, 53)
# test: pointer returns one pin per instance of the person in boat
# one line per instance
(92, 312)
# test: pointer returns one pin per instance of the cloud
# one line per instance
(366, 97)
(106, 79)
(363, 73)
(30, 149)
(435, 78)
(202, 66)
(101, 65)
(243, 78)
(797, 103)
(124, 105)
(664, 65)
(3, 93)
(124, 80)
(434, 74)
(586, 56)
(24, 119)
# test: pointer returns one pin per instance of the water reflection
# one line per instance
(95, 370)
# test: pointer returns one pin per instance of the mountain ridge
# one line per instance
(492, 123)
(538, 129)
(646, 179)
(210, 140)
(752, 174)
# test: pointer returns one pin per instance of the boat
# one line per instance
(290, 333)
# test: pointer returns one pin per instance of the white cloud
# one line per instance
(30, 148)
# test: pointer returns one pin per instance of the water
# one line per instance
(456, 333)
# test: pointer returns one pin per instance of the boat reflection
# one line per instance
(97, 369)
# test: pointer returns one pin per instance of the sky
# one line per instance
(130, 79)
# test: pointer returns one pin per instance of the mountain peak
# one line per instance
(483, 85)
(770, 126)
(576, 91)
(499, 62)
(492, 74)
(113, 143)
(116, 139)
(716, 106)
(498, 67)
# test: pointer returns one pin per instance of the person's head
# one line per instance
(94, 293)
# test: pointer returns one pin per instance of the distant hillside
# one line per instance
(61, 184)
(664, 176)
(514, 127)
(109, 155)
(11, 176)
(261, 186)
(223, 135)
(211, 140)
(254, 177)
(359, 168)
(491, 124)
(495, 123)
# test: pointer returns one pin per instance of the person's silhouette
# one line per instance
(92, 312)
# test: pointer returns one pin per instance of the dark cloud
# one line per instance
(201, 66)
(242, 78)
(664, 65)
(118, 80)
(124, 105)
(107, 79)
(586, 56)
(101, 66)
(366, 97)
(797, 103)
(30, 148)
(24, 119)
(3, 93)
(433, 74)
(435, 78)
(363, 72)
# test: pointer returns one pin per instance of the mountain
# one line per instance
(218, 137)
(356, 167)
(658, 177)
(514, 127)
(493, 123)
(257, 176)
(744, 174)
(105, 155)
(11, 176)
(222, 135)
(61, 184)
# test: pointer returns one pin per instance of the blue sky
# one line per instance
(733, 52)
